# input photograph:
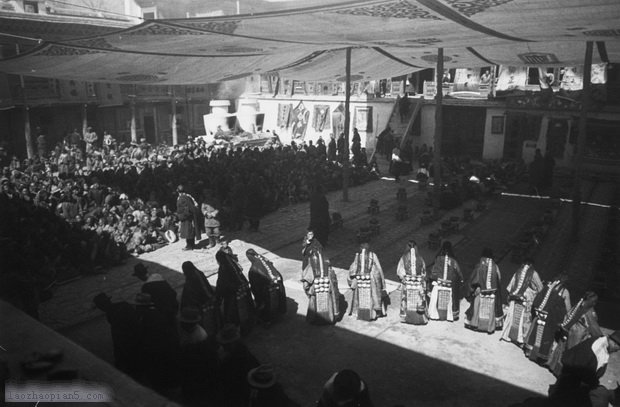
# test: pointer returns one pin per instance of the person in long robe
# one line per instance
(484, 289)
(548, 311)
(267, 285)
(319, 215)
(446, 281)
(233, 293)
(411, 271)
(580, 323)
(191, 218)
(199, 294)
(321, 286)
(367, 281)
(522, 289)
(309, 245)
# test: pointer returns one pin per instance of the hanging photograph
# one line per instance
(363, 118)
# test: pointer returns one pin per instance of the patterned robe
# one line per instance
(321, 287)
(522, 289)
(411, 271)
(579, 324)
(485, 312)
(368, 283)
(548, 311)
(233, 292)
(445, 299)
(267, 285)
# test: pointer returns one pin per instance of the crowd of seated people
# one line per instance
(114, 200)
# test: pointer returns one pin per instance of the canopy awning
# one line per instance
(389, 38)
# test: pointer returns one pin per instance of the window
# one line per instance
(31, 7)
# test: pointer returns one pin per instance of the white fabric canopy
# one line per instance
(389, 38)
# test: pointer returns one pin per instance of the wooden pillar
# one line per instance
(27, 131)
(173, 121)
(134, 135)
(347, 121)
(438, 129)
(581, 139)
(84, 119)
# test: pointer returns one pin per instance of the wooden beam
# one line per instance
(438, 129)
(347, 121)
(581, 138)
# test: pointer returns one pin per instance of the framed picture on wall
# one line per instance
(363, 118)
(497, 125)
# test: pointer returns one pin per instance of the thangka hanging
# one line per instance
(338, 120)
(512, 77)
(284, 114)
(321, 117)
(299, 122)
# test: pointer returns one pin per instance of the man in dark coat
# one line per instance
(126, 333)
(319, 215)
(190, 216)
(162, 294)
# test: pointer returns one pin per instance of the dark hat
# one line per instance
(347, 385)
(487, 252)
(139, 270)
(615, 336)
(101, 299)
(190, 315)
(228, 334)
(262, 377)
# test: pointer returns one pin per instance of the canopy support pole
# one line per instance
(173, 124)
(27, 131)
(581, 138)
(347, 121)
(438, 129)
(84, 119)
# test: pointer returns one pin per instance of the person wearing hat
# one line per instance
(580, 323)
(367, 281)
(160, 344)
(197, 359)
(235, 362)
(522, 289)
(162, 294)
(90, 138)
(411, 271)
(199, 294)
(345, 389)
(126, 333)
(265, 391)
(446, 279)
(191, 218)
(212, 224)
(485, 312)
(267, 285)
(232, 290)
(582, 367)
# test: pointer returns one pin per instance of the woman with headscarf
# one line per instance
(522, 289)
(233, 292)
(321, 286)
(485, 311)
(411, 271)
(548, 311)
(267, 285)
(198, 293)
(446, 280)
(580, 323)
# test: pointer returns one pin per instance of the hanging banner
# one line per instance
(284, 114)
(467, 79)
(299, 122)
(511, 78)
(320, 120)
(109, 94)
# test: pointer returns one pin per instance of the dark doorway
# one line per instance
(149, 129)
(556, 137)
(519, 128)
(463, 131)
